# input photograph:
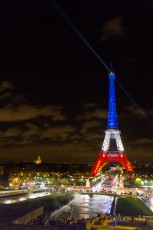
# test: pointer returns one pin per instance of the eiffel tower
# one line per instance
(112, 149)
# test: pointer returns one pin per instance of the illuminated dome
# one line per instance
(38, 160)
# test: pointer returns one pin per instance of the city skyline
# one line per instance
(54, 90)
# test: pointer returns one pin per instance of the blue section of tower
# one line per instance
(112, 122)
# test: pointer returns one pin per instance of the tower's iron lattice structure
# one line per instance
(112, 149)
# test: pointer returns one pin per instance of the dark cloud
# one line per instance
(5, 90)
(143, 141)
(150, 112)
(113, 28)
(5, 85)
(89, 125)
(12, 132)
(60, 133)
(90, 105)
(135, 111)
(26, 112)
(94, 114)
(30, 130)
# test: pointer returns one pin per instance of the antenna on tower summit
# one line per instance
(111, 65)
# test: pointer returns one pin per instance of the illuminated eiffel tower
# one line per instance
(112, 149)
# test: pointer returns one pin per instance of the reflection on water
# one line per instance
(86, 206)
(151, 204)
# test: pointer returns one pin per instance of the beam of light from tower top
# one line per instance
(135, 103)
(57, 7)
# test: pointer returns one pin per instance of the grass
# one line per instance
(130, 206)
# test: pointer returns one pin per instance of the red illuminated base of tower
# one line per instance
(105, 158)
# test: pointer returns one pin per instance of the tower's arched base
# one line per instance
(105, 158)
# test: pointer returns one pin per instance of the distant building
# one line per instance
(38, 160)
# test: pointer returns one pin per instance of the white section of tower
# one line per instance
(112, 134)
(106, 141)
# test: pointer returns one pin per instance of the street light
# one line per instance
(10, 185)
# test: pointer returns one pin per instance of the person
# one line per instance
(132, 218)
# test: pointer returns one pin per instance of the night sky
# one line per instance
(53, 88)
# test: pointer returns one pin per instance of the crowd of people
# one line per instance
(66, 220)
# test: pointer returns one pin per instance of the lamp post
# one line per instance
(10, 185)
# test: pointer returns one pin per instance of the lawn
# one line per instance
(130, 206)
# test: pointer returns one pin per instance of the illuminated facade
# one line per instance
(112, 149)
(38, 160)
